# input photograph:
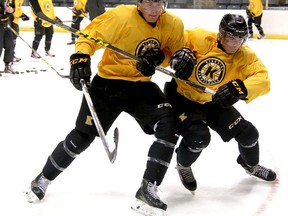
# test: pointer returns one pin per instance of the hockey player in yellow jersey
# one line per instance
(78, 14)
(42, 27)
(17, 15)
(124, 85)
(255, 12)
(224, 64)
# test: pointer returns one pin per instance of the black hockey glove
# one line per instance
(80, 69)
(38, 28)
(38, 23)
(24, 17)
(76, 12)
(183, 62)
(149, 60)
(230, 93)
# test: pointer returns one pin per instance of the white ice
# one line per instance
(38, 111)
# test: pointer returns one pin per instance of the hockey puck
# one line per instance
(62, 69)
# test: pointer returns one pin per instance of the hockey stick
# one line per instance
(65, 21)
(38, 12)
(16, 33)
(84, 13)
(111, 154)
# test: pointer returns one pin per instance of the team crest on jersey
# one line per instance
(210, 71)
(147, 44)
(47, 6)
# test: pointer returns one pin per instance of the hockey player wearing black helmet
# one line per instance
(234, 72)
(233, 32)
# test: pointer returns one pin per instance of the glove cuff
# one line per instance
(238, 89)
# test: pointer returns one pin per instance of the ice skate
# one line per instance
(48, 53)
(16, 59)
(250, 36)
(187, 177)
(37, 189)
(261, 36)
(258, 170)
(148, 203)
(35, 55)
(8, 69)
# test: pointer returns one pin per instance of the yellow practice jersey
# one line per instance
(48, 9)
(80, 6)
(125, 29)
(255, 7)
(18, 11)
(215, 68)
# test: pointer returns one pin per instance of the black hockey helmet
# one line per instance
(233, 25)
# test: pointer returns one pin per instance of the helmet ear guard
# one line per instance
(233, 25)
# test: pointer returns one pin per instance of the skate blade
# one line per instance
(144, 209)
(30, 196)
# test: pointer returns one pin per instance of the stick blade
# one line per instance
(116, 140)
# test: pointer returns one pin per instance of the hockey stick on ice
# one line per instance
(111, 153)
(38, 12)
(14, 32)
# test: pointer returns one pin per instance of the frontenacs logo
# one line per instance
(210, 71)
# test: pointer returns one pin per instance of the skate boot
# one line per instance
(8, 68)
(258, 170)
(37, 189)
(16, 59)
(35, 55)
(148, 202)
(187, 177)
(261, 36)
(250, 36)
(48, 53)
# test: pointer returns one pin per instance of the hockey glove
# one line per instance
(80, 69)
(230, 93)
(24, 17)
(38, 23)
(76, 12)
(38, 28)
(249, 15)
(149, 60)
(183, 62)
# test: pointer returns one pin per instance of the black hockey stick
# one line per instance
(111, 153)
(38, 12)
(84, 13)
(16, 33)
